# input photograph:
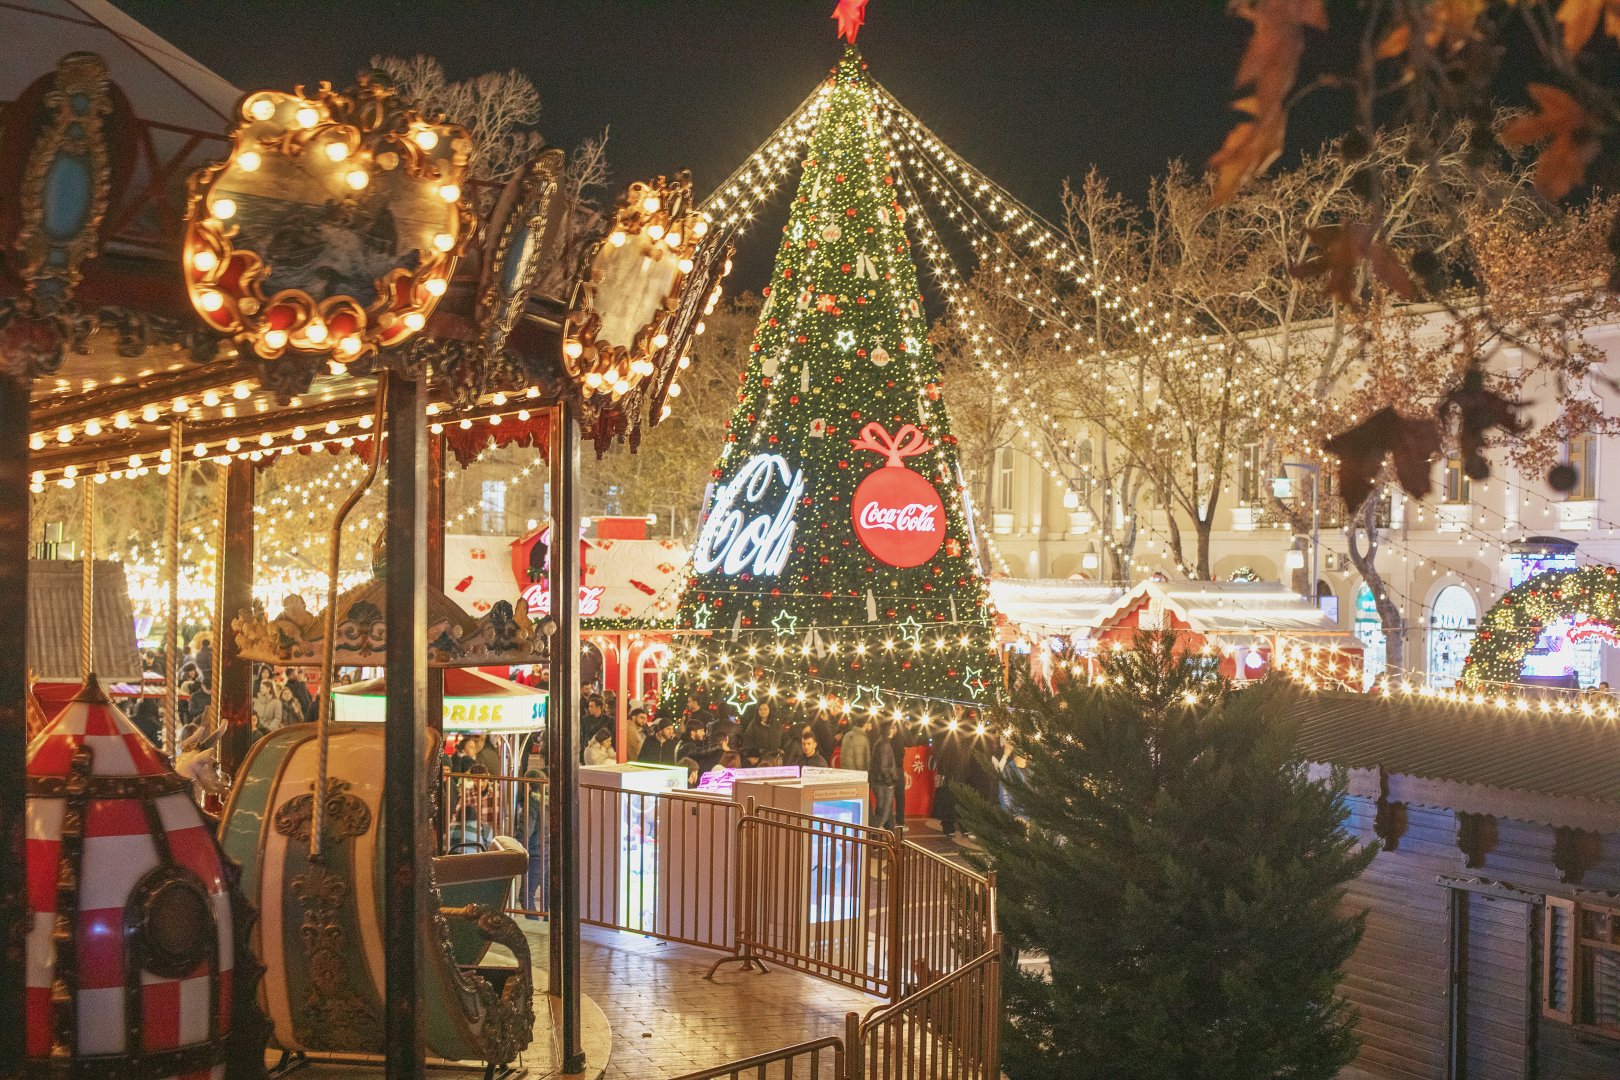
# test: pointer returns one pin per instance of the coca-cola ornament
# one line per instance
(898, 516)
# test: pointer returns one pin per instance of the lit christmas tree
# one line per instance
(836, 559)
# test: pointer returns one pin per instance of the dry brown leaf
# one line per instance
(1361, 451)
(1580, 19)
(1339, 252)
(1568, 131)
(1269, 68)
(1447, 26)
(1395, 43)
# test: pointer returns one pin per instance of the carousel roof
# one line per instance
(473, 701)
(163, 84)
(55, 591)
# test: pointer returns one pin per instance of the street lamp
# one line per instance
(1282, 487)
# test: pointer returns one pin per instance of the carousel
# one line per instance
(155, 315)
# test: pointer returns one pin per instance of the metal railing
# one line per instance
(474, 808)
(947, 915)
(949, 1029)
(660, 864)
(818, 896)
(819, 1060)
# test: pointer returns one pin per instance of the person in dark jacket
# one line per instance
(764, 737)
(661, 747)
(696, 744)
(807, 754)
(881, 775)
(895, 732)
(950, 765)
(301, 694)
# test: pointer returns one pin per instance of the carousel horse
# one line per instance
(320, 928)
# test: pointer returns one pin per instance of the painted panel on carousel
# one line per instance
(134, 962)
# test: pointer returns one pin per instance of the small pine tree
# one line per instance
(1183, 876)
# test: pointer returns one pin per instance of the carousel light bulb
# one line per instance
(307, 116)
(200, 450)
(622, 386)
(650, 205)
(427, 138)
(349, 344)
(249, 161)
(660, 340)
(66, 481)
(593, 379)
(298, 434)
(573, 349)
(210, 398)
(338, 150)
(150, 414)
(700, 228)
(265, 439)
(224, 209)
(357, 179)
(101, 478)
(523, 416)
(617, 238)
(121, 421)
(210, 300)
(204, 262)
(37, 478)
(262, 109)
(685, 362)
(134, 461)
(435, 286)
(498, 398)
(241, 390)
(437, 429)
(64, 434)
(315, 331)
(684, 266)
(673, 239)
(331, 427)
(449, 192)
(366, 421)
(233, 445)
(675, 389)
(36, 442)
(664, 413)
(532, 392)
(70, 471)
(414, 320)
(465, 424)
(444, 241)
(181, 405)
(495, 420)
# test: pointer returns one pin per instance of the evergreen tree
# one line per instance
(836, 559)
(1183, 875)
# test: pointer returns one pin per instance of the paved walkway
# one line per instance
(667, 1019)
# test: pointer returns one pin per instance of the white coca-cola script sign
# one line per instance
(912, 517)
(734, 542)
(538, 597)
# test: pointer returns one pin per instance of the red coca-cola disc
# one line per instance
(898, 516)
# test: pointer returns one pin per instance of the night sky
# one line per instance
(1031, 92)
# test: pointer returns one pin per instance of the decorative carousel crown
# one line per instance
(503, 635)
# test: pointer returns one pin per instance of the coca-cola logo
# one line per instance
(912, 517)
(731, 541)
(898, 517)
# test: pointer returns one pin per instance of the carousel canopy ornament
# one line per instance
(503, 635)
(333, 227)
(66, 149)
(635, 310)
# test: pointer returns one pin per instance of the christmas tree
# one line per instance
(1181, 872)
(835, 560)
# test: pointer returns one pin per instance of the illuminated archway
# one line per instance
(1588, 597)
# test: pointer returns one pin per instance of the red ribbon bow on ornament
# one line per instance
(907, 442)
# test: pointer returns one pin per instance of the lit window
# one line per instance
(1457, 488)
(1004, 481)
(1583, 454)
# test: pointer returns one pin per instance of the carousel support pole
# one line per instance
(405, 744)
(235, 700)
(13, 716)
(621, 655)
(435, 566)
(87, 595)
(565, 657)
(171, 618)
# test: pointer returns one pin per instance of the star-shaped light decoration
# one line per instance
(859, 700)
(785, 622)
(700, 618)
(972, 679)
(845, 339)
(849, 14)
(911, 630)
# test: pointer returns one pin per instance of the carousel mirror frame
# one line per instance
(330, 145)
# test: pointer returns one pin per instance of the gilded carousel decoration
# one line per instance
(333, 227)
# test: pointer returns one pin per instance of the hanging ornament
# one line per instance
(864, 266)
(883, 214)
(898, 516)
(913, 308)
(768, 365)
(804, 300)
(871, 607)
(831, 232)
(804, 378)
(845, 339)
(953, 548)
(932, 390)
(818, 428)
(880, 356)
(827, 303)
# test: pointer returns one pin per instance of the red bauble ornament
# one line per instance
(898, 516)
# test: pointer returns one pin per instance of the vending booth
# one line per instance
(619, 841)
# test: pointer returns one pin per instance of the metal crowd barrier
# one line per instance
(474, 808)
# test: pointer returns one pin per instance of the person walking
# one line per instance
(881, 775)
(951, 769)
(896, 734)
(855, 752)
(531, 825)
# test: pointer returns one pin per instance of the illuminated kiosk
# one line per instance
(831, 898)
(619, 879)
